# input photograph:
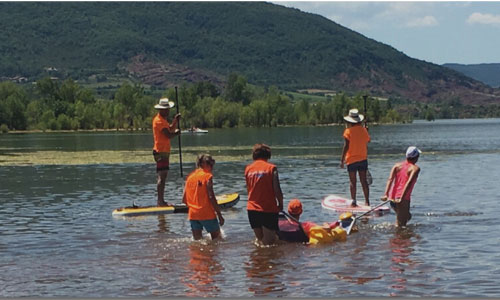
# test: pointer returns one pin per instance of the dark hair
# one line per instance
(261, 151)
(204, 158)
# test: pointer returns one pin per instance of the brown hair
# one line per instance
(204, 158)
(261, 151)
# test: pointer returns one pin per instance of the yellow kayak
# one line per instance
(224, 201)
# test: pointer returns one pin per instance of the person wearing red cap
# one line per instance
(292, 230)
(400, 184)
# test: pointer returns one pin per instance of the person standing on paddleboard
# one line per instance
(355, 153)
(199, 196)
(162, 133)
(265, 198)
(400, 184)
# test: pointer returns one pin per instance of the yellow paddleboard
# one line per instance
(224, 201)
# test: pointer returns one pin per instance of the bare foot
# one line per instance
(354, 204)
(163, 203)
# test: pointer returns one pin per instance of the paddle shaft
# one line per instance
(179, 127)
(366, 116)
(363, 214)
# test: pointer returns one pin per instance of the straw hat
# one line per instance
(164, 103)
(354, 116)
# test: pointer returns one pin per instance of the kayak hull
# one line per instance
(224, 201)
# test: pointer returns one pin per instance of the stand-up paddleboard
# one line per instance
(341, 204)
(224, 201)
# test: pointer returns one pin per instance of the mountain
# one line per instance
(166, 43)
(486, 73)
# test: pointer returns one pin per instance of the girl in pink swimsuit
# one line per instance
(400, 185)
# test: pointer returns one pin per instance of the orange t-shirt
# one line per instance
(162, 142)
(197, 196)
(358, 138)
(261, 195)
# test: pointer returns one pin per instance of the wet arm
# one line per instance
(392, 175)
(277, 189)
(213, 201)
(344, 152)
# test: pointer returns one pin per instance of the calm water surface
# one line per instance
(58, 237)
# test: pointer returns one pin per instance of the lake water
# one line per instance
(58, 238)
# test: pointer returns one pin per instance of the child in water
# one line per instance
(400, 184)
(200, 198)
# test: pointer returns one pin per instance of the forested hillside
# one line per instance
(487, 73)
(167, 43)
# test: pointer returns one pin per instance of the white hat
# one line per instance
(354, 116)
(164, 104)
(412, 152)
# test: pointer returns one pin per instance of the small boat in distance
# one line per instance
(194, 130)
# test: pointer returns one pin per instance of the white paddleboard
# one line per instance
(341, 205)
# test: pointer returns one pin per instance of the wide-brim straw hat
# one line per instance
(164, 103)
(354, 116)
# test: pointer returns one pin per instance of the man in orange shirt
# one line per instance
(355, 153)
(265, 199)
(162, 133)
(200, 198)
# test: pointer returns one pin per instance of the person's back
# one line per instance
(259, 179)
(402, 175)
(358, 143)
(197, 198)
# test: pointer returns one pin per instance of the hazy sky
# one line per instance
(437, 32)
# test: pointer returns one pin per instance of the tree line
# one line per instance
(53, 105)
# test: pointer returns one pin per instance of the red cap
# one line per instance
(295, 207)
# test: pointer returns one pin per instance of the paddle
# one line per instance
(179, 127)
(369, 177)
(365, 213)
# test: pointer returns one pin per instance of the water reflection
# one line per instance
(204, 266)
(263, 269)
(402, 246)
(162, 224)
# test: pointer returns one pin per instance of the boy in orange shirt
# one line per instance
(265, 198)
(200, 198)
(355, 153)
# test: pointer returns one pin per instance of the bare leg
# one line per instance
(403, 213)
(258, 233)
(364, 184)
(197, 234)
(352, 186)
(160, 187)
(215, 234)
(269, 237)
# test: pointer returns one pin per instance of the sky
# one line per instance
(434, 31)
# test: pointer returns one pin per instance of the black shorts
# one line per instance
(260, 219)
(358, 166)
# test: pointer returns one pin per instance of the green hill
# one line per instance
(166, 43)
(487, 73)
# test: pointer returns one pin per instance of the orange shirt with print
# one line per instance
(162, 142)
(197, 199)
(358, 138)
(261, 195)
